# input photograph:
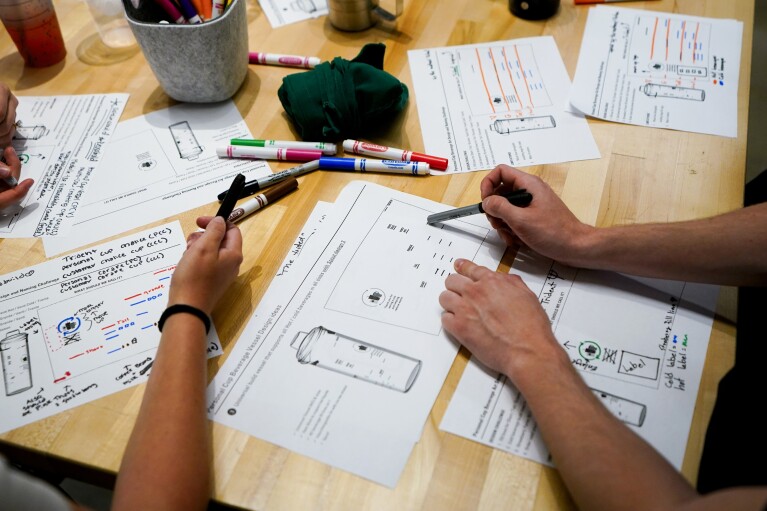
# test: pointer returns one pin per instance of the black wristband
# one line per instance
(180, 307)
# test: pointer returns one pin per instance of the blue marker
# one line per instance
(190, 13)
(417, 168)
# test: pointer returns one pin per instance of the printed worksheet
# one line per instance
(639, 344)
(345, 353)
(502, 102)
(285, 12)
(60, 140)
(159, 165)
(83, 326)
(660, 69)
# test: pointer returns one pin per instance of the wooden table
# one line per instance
(643, 175)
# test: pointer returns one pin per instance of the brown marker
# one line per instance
(263, 199)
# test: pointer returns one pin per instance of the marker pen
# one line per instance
(276, 59)
(325, 147)
(366, 165)
(171, 10)
(190, 13)
(263, 199)
(268, 153)
(520, 198)
(256, 185)
(11, 181)
(392, 153)
(218, 8)
(232, 196)
(578, 2)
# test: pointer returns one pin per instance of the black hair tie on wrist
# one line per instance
(180, 307)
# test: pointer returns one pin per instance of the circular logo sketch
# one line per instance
(373, 297)
(231, 411)
(69, 325)
(590, 350)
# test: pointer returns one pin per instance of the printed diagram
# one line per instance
(619, 356)
(405, 288)
(342, 354)
(82, 334)
(186, 143)
(307, 6)
(17, 373)
(506, 126)
(672, 56)
(625, 410)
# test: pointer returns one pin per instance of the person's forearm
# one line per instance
(603, 463)
(727, 249)
(167, 462)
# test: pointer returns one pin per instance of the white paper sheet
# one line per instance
(368, 356)
(503, 102)
(159, 165)
(60, 141)
(660, 69)
(83, 326)
(640, 344)
(284, 12)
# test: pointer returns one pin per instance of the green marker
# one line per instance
(325, 147)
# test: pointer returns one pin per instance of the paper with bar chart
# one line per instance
(661, 70)
(501, 102)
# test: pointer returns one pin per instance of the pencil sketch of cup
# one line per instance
(304, 5)
(337, 352)
(17, 373)
(29, 132)
(506, 126)
(186, 142)
(655, 90)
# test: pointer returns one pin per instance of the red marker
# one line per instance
(392, 153)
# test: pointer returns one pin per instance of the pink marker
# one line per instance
(268, 153)
(276, 59)
(392, 153)
(171, 10)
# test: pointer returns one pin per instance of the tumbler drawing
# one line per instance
(506, 126)
(29, 132)
(337, 352)
(17, 373)
(624, 409)
(186, 142)
(669, 91)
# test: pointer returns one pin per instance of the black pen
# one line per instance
(260, 183)
(232, 196)
(520, 198)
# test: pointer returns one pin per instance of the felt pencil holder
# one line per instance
(201, 63)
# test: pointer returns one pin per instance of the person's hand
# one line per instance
(211, 262)
(8, 104)
(497, 318)
(12, 168)
(546, 225)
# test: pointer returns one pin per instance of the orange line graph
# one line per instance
(654, 30)
(508, 70)
(498, 79)
(668, 29)
(484, 83)
(681, 41)
(521, 69)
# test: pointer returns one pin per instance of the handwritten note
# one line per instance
(639, 344)
(82, 326)
(60, 141)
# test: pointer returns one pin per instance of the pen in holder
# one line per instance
(202, 63)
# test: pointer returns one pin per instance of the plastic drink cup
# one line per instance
(34, 28)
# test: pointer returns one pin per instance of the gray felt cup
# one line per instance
(201, 63)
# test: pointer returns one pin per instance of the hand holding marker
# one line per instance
(520, 198)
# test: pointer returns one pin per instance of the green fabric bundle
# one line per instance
(343, 99)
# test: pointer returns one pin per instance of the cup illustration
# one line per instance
(337, 352)
(17, 373)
